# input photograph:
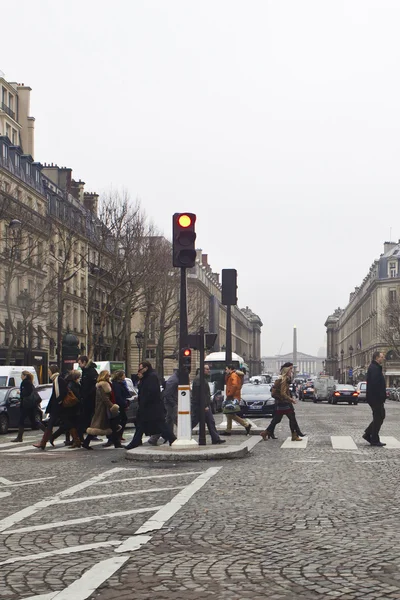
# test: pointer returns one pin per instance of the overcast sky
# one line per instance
(276, 122)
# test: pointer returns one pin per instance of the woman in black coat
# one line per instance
(150, 418)
(28, 408)
(69, 416)
(60, 390)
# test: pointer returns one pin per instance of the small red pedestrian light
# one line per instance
(185, 220)
(187, 352)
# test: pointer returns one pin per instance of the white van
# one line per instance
(11, 376)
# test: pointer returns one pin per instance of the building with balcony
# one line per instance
(355, 332)
(15, 120)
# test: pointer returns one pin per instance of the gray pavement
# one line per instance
(309, 522)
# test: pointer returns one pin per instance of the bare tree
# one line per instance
(389, 329)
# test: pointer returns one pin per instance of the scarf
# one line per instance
(54, 379)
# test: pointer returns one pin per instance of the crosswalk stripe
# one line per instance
(289, 444)
(343, 442)
(391, 442)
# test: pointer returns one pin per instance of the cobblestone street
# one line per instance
(314, 522)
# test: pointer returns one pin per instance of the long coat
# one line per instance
(54, 406)
(151, 411)
(100, 424)
(376, 386)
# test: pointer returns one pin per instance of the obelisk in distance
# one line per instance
(295, 370)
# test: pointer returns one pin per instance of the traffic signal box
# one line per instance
(229, 287)
(187, 358)
(183, 240)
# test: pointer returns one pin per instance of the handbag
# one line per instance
(230, 405)
(70, 400)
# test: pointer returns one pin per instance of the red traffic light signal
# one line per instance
(183, 240)
(186, 358)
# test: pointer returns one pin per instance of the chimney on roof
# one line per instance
(388, 246)
(204, 260)
(91, 200)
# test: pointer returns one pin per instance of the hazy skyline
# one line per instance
(276, 122)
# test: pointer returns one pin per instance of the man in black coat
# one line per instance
(196, 396)
(376, 396)
(150, 418)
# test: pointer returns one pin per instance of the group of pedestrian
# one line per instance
(284, 402)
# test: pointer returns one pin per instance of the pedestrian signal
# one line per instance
(183, 240)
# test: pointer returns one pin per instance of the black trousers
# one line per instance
(378, 416)
(165, 432)
(210, 422)
(277, 418)
(30, 413)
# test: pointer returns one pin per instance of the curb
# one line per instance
(167, 454)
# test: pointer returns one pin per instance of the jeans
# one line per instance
(378, 416)
(277, 418)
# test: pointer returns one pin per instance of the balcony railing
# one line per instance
(8, 110)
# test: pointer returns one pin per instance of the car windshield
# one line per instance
(255, 390)
(3, 381)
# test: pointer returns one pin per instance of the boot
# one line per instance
(19, 435)
(295, 437)
(44, 440)
(76, 439)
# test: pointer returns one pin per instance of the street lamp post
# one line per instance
(341, 371)
(24, 302)
(351, 349)
(139, 337)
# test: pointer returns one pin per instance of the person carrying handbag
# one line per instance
(59, 392)
(29, 405)
(231, 404)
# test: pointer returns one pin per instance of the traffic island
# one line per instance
(210, 452)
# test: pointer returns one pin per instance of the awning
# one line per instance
(392, 372)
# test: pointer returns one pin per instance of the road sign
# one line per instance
(350, 372)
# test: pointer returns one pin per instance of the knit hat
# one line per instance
(286, 365)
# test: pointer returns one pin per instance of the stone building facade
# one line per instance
(355, 332)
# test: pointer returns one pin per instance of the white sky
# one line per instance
(276, 122)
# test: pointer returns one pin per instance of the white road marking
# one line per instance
(84, 587)
(57, 524)
(251, 441)
(5, 481)
(70, 550)
(308, 460)
(301, 445)
(343, 442)
(29, 481)
(4, 494)
(235, 425)
(49, 448)
(19, 516)
(17, 444)
(111, 481)
(71, 500)
(391, 442)
(166, 512)
(371, 461)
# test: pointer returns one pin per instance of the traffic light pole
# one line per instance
(228, 342)
(184, 433)
(203, 383)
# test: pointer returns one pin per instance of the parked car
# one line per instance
(344, 393)
(308, 391)
(44, 392)
(10, 403)
(257, 399)
(362, 391)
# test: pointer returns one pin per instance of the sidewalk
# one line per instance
(230, 450)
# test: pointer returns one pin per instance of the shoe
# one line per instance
(267, 434)
(367, 438)
(129, 447)
(301, 434)
(86, 446)
(97, 439)
(75, 444)
(66, 443)
(153, 443)
(107, 445)
(219, 442)
(378, 444)
(296, 438)
(247, 428)
(19, 437)
(225, 433)
(118, 445)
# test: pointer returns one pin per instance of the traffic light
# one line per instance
(183, 240)
(229, 287)
(187, 358)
